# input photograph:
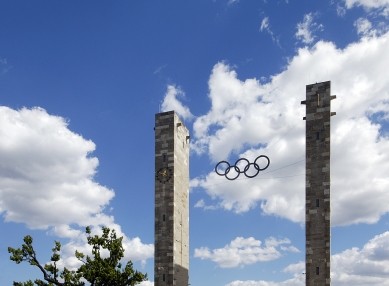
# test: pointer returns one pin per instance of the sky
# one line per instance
(81, 82)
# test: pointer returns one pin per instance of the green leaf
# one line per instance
(96, 270)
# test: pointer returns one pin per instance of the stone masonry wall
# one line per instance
(171, 258)
(318, 180)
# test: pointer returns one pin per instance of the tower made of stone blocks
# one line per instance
(318, 181)
(171, 257)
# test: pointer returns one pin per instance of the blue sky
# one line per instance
(80, 82)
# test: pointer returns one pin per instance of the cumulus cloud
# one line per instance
(354, 266)
(170, 102)
(297, 280)
(366, 266)
(367, 3)
(46, 173)
(134, 249)
(307, 28)
(146, 283)
(295, 268)
(365, 28)
(47, 180)
(243, 251)
(290, 248)
(248, 118)
(201, 204)
(377, 7)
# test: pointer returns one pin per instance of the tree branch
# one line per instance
(45, 275)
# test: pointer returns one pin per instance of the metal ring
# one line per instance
(248, 167)
(268, 162)
(228, 170)
(245, 169)
(225, 171)
(236, 164)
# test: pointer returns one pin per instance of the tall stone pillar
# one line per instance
(171, 257)
(318, 181)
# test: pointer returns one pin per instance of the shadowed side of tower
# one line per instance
(318, 180)
(171, 257)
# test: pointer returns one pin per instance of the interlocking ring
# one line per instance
(245, 169)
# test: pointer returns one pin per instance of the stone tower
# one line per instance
(171, 257)
(317, 186)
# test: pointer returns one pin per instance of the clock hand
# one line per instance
(163, 173)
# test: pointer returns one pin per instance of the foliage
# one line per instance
(96, 270)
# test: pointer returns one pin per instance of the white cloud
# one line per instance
(306, 28)
(248, 119)
(47, 180)
(367, 3)
(170, 102)
(265, 24)
(340, 10)
(5, 69)
(376, 7)
(159, 69)
(295, 268)
(232, 1)
(46, 171)
(385, 11)
(360, 267)
(290, 248)
(366, 266)
(363, 26)
(64, 231)
(296, 281)
(134, 249)
(146, 283)
(242, 251)
(265, 27)
(201, 204)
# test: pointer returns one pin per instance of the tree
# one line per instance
(98, 271)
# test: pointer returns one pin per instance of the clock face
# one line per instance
(163, 175)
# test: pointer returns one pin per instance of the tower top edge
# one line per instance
(170, 114)
(318, 83)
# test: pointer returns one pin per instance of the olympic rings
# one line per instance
(245, 169)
